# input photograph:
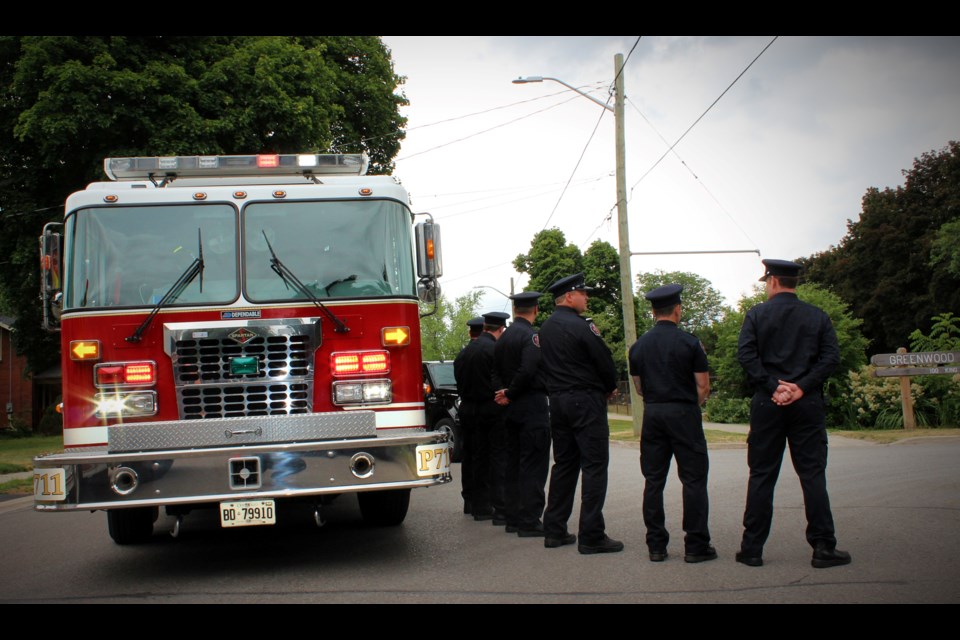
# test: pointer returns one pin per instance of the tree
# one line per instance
(702, 304)
(551, 258)
(444, 333)
(897, 263)
(67, 102)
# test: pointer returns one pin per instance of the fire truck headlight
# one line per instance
(362, 392)
(126, 405)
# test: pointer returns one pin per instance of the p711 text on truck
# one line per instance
(239, 331)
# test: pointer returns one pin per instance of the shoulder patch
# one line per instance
(702, 348)
(536, 340)
(596, 331)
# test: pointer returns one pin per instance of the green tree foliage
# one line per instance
(942, 391)
(731, 382)
(702, 304)
(944, 335)
(67, 102)
(900, 261)
(551, 258)
(946, 248)
(444, 333)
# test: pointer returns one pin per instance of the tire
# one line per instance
(132, 526)
(452, 429)
(384, 508)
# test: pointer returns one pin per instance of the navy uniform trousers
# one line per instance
(675, 429)
(802, 425)
(581, 442)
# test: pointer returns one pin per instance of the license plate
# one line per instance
(247, 513)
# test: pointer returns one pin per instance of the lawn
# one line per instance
(622, 430)
(16, 454)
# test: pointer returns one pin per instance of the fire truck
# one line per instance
(239, 332)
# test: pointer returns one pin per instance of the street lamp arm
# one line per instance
(571, 87)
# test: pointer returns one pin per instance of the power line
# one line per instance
(700, 118)
(624, 65)
(468, 115)
(695, 176)
(603, 112)
(472, 135)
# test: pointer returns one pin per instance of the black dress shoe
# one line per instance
(481, 516)
(499, 521)
(605, 545)
(553, 543)
(824, 558)
(659, 556)
(707, 554)
(512, 528)
(467, 508)
(750, 561)
(532, 532)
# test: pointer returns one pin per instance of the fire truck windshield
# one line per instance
(338, 249)
(129, 256)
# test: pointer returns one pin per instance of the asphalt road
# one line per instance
(897, 510)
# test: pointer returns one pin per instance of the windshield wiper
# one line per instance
(188, 276)
(289, 279)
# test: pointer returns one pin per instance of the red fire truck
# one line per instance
(239, 331)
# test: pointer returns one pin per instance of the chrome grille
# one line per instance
(201, 356)
(208, 360)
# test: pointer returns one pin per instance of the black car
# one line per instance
(441, 402)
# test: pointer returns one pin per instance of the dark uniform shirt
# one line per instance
(786, 339)
(473, 370)
(517, 358)
(665, 358)
(574, 357)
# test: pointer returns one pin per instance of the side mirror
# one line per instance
(51, 285)
(429, 259)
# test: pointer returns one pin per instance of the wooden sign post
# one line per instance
(904, 365)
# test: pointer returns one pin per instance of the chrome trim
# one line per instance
(180, 477)
(201, 354)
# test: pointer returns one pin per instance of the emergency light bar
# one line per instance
(354, 164)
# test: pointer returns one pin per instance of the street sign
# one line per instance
(921, 358)
(915, 371)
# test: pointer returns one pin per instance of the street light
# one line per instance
(626, 277)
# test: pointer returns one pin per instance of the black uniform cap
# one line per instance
(780, 268)
(496, 318)
(665, 296)
(569, 283)
(475, 322)
(526, 299)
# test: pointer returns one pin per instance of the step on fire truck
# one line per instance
(238, 331)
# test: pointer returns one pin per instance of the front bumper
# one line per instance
(103, 480)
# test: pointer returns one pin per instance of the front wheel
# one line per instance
(384, 508)
(132, 526)
(452, 429)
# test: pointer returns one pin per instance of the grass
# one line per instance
(888, 436)
(622, 430)
(23, 485)
(16, 454)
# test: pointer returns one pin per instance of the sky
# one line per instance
(777, 166)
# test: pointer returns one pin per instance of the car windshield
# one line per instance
(442, 374)
(131, 256)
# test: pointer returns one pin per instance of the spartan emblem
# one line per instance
(242, 335)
